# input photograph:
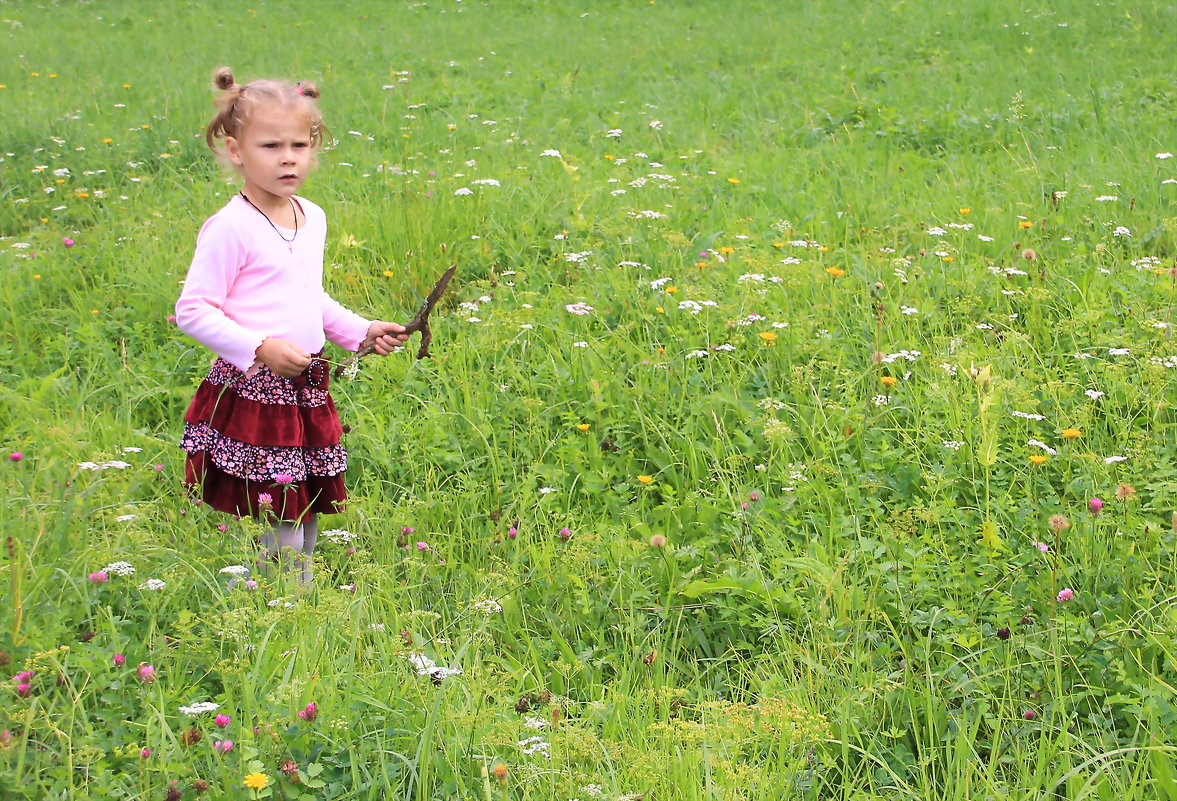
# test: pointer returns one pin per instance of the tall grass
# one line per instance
(801, 521)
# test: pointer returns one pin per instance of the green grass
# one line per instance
(845, 607)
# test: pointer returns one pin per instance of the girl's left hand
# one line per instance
(385, 337)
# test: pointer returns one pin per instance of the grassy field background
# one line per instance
(789, 347)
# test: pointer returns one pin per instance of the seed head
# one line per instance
(1059, 524)
(1125, 491)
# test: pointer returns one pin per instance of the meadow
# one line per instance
(800, 423)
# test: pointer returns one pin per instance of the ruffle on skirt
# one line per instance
(264, 445)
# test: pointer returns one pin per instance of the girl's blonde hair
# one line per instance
(236, 102)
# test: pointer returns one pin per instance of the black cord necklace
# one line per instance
(289, 242)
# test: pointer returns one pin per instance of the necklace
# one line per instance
(289, 242)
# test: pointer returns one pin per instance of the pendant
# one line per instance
(291, 248)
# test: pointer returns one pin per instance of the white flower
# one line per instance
(658, 283)
(465, 190)
(757, 278)
(199, 708)
(1081, 355)
(726, 346)
(579, 309)
(697, 354)
(119, 569)
(613, 133)
(984, 238)
(1035, 443)
(908, 310)
(593, 790)
(132, 449)
(486, 182)
(237, 571)
(1107, 198)
(578, 257)
(1114, 459)
(581, 344)
(534, 722)
(1094, 394)
(880, 400)
(935, 230)
(1027, 415)
(487, 607)
(547, 490)
(552, 152)
(427, 667)
(339, 536)
(1118, 351)
(124, 518)
(953, 444)
(527, 326)
(948, 368)
(656, 125)
(1121, 231)
(152, 584)
(1164, 155)
(646, 214)
(985, 326)
(535, 745)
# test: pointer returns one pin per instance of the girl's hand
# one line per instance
(283, 357)
(385, 337)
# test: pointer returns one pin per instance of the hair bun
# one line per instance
(307, 89)
(223, 78)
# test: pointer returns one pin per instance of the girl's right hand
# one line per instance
(283, 357)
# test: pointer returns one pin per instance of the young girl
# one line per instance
(262, 435)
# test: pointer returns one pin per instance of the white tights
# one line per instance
(295, 540)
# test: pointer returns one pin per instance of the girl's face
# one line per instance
(274, 153)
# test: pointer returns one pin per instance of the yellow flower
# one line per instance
(1025, 224)
(1070, 433)
(3, 86)
(965, 210)
(778, 244)
(767, 336)
(949, 259)
(726, 250)
(733, 180)
(1037, 458)
(646, 479)
(608, 157)
(452, 127)
(35, 74)
(583, 426)
(823, 248)
(889, 380)
(145, 126)
(837, 272)
(82, 195)
(107, 141)
(388, 273)
(670, 290)
(126, 86)
(660, 310)
(700, 264)
(256, 781)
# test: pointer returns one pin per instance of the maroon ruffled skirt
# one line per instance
(263, 445)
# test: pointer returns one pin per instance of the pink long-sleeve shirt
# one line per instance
(245, 284)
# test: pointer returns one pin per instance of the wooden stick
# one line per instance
(420, 322)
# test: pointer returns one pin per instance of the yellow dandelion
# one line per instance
(3, 86)
(660, 310)
(700, 264)
(661, 351)
(53, 75)
(778, 244)
(1025, 224)
(823, 248)
(388, 273)
(726, 250)
(608, 157)
(256, 781)
(126, 86)
(145, 126)
(583, 426)
(837, 272)
(733, 180)
(451, 127)
(767, 336)
(82, 195)
(35, 74)
(646, 479)
(965, 210)
(36, 275)
(107, 141)
(1071, 433)
(889, 380)
(93, 311)
(404, 136)
(670, 290)
(59, 180)
(1037, 458)
(949, 259)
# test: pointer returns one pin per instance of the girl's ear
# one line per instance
(233, 150)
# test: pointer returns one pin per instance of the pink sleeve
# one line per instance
(343, 327)
(220, 255)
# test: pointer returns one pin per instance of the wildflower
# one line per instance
(256, 781)
(1025, 224)
(565, 534)
(1125, 492)
(499, 771)
(119, 660)
(1065, 594)
(657, 541)
(191, 736)
(283, 478)
(1037, 458)
(200, 786)
(488, 607)
(1095, 505)
(889, 380)
(1029, 714)
(1042, 547)
(768, 336)
(99, 577)
(199, 708)
(222, 746)
(583, 426)
(145, 672)
(646, 479)
(733, 180)
(1070, 433)
(407, 530)
(579, 309)
(309, 712)
(153, 584)
(1003, 633)
(837, 272)
(512, 532)
(144, 753)
(422, 545)
(236, 571)
(222, 721)
(290, 768)
(1058, 523)
(24, 689)
(965, 210)
(264, 499)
